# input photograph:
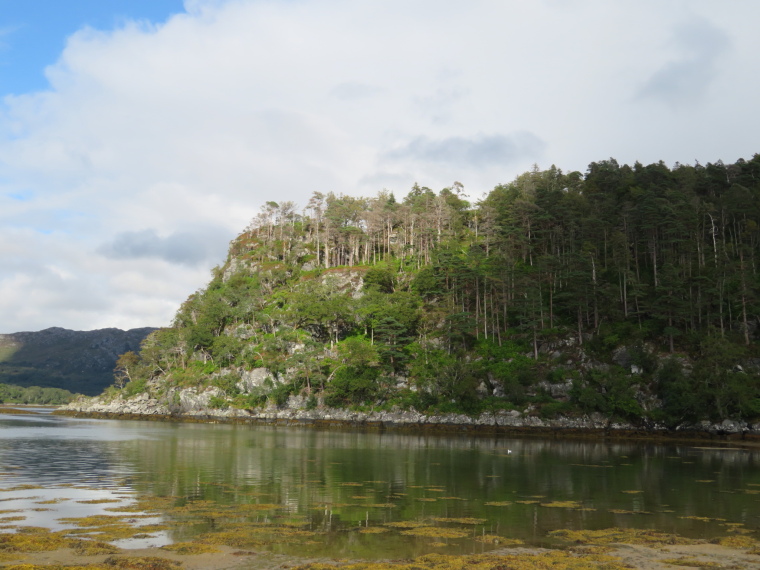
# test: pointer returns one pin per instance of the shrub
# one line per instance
(352, 385)
(134, 387)
(280, 394)
(555, 409)
(610, 392)
(218, 403)
(228, 383)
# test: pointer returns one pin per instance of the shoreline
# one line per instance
(367, 423)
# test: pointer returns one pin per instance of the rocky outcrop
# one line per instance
(193, 405)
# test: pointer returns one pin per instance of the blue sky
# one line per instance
(137, 137)
(33, 33)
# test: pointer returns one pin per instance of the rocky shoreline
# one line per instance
(193, 406)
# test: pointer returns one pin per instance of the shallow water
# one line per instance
(338, 484)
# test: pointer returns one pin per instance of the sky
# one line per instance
(138, 137)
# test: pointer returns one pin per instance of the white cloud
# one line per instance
(153, 138)
(473, 152)
(685, 79)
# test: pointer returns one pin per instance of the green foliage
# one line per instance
(34, 395)
(426, 284)
(218, 403)
(204, 368)
(358, 352)
(226, 350)
(352, 385)
(228, 383)
(280, 394)
(550, 410)
(134, 387)
(449, 378)
(506, 363)
(380, 279)
(611, 392)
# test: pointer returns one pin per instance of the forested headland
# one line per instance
(631, 291)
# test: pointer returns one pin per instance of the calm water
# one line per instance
(339, 482)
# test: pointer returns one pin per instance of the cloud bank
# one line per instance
(155, 144)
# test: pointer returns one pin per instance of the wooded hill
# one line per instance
(634, 286)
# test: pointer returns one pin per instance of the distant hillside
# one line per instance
(78, 361)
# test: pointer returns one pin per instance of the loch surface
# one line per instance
(368, 494)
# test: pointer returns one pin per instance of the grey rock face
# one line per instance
(559, 391)
(253, 379)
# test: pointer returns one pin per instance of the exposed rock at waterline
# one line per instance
(194, 404)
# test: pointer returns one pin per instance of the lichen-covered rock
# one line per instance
(250, 380)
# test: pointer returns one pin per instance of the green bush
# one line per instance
(208, 367)
(228, 383)
(554, 409)
(134, 387)
(352, 385)
(610, 392)
(280, 394)
(218, 403)
(407, 399)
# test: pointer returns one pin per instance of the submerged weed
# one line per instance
(620, 535)
(141, 563)
(93, 548)
(98, 501)
(436, 532)
(563, 505)
(691, 562)
(736, 541)
(624, 512)
(36, 541)
(554, 560)
(500, 540)
(405, 524)
(190, 548)
(373, 530)
(463, 520)
(53, 501)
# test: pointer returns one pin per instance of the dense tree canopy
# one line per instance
(455, 300)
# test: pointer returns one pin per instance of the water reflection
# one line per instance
(339, 482)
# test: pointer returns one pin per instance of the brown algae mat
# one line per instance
(234, 540)
(610, 549)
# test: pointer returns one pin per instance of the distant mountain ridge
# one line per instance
(78, 361)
